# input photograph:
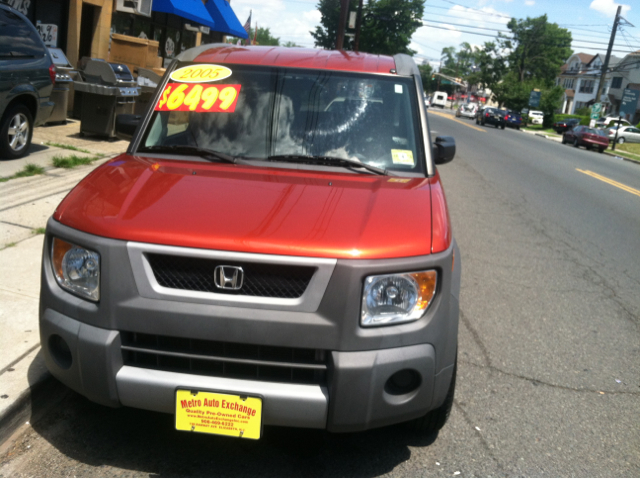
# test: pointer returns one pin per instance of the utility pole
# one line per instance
(344, 7)
(356, 43)
(605, 65)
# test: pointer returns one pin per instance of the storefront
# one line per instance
(83, 28)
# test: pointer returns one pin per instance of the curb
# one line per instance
(17, 412)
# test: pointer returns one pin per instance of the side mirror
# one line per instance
(444, 149)
(126, 125)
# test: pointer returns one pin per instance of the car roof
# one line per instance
(296, 58)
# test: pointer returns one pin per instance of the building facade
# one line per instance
(83, 28)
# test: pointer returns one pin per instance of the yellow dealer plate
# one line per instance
(219, 413)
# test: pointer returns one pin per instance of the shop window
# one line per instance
(122, 23)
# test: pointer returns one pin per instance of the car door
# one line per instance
(632, 134)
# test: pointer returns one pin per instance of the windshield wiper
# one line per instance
(210, 155)
(328, 160)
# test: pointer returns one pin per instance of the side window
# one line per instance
(17, 38)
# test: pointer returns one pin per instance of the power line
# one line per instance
(577, 40)
(494, 36)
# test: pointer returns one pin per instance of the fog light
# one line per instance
(402, 382)
(60, 351)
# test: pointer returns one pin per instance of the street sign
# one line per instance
(629, 103)
(534, 98)
(596, 111)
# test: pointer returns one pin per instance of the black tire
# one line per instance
(435, 420)
(19, 121)
(621, 140)
(576, 143)
(502, 126)
(600, 150)
(564, 140)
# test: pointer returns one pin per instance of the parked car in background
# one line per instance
(490, 116)
(427, 103)
(536, 117)
(439, 98)
(467, 110)
(27, 75)
(626, 134)
(561, 126)
(605, 121)
(593, 138)
(513, 119)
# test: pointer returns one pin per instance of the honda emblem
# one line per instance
(228, 277)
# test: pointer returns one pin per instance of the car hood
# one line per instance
(269, 210)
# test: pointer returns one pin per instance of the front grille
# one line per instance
(196, 274)
(223, 359)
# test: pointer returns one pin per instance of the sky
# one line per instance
(589, 21)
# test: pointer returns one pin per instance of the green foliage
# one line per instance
(425, 74)
(66, 147)
(291, 44)
(537, 49)
(387, 25)
(326, 34)
(39, 231)
(29, 170)
(584, 111)
(550, 101)
(264, 37)
(72, 161)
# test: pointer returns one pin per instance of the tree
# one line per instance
(425, 74)
(387, 25)
(291, 44)
(264, 37)
(325, 35)
(489, 67)
(537, 48)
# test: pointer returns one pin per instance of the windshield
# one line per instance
(275, 111)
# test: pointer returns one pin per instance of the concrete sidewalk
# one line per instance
(25, 205)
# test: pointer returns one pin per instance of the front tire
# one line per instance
(16, 131)
(435, 420)
(576, 143)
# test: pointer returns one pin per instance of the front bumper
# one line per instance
(355, 399)
(359, 362)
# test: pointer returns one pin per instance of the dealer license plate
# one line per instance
(219, 413)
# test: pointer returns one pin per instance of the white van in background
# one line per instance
(536, 117)
(439, 99)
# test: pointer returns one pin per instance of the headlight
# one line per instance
(397, 298)
(76, 269)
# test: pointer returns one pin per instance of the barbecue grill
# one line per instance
(108, 90)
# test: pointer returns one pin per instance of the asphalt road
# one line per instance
(549, 353)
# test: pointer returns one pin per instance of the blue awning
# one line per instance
(224, 18)
(192, 10)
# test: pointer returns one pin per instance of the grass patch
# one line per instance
(39, 231)
(629, 150)
(72, 161)
(9, 245)
(29, 170)
(540, 129)
(67, 147)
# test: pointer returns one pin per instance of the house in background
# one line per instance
(626, 74)
(580, 77)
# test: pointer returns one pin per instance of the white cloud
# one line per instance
(530, 3)
(608, 7)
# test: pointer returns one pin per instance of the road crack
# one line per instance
(545, 383)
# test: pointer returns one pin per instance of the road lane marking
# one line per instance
(626, 188)
(448, 117)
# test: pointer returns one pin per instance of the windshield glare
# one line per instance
(370, 118)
